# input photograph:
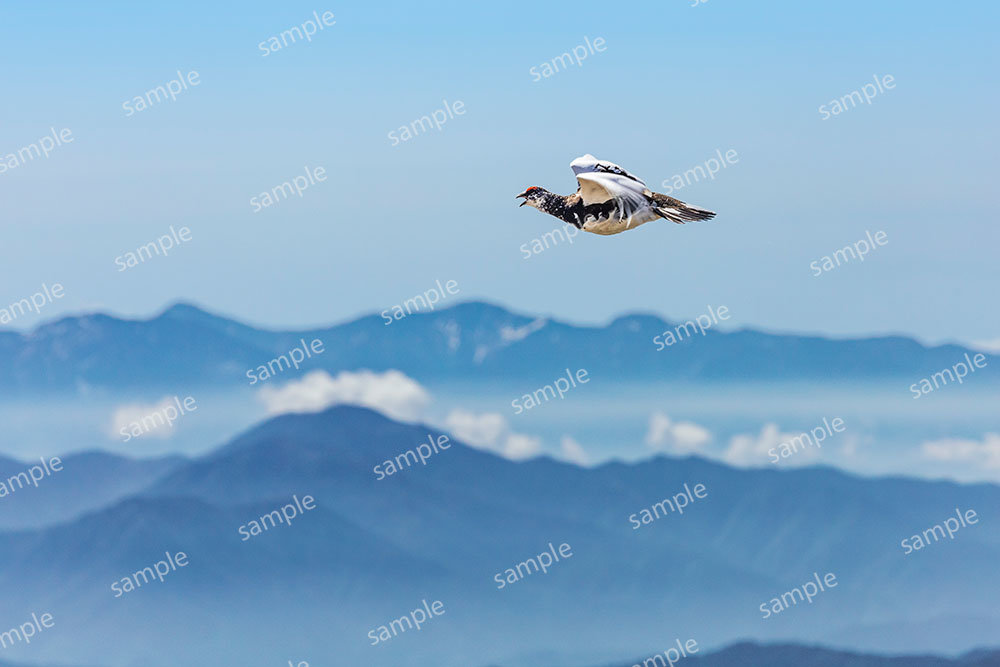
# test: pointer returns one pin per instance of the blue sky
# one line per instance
(674, 84)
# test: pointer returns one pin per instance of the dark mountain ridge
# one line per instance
(749, 654)
(187, 347)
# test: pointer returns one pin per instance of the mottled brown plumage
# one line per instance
(610, 200)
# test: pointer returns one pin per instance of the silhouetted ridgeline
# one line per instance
(790, 655)
(185, 345)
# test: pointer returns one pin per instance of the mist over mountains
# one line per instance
(86, 482)
(372, 550)
(471, 341)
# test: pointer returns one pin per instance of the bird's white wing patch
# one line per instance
(590, 164)
(599, 187)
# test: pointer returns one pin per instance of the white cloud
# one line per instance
(985, 453)
(573, 451)
(850, 447)
(989, 346)
(675, 437)
(748, 449)
(520, 446)
(391, 392)
(401, 398)
(482, 430)
(490, 431)
(126, 416)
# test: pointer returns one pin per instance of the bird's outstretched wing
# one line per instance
(590, 164)
(629, 195)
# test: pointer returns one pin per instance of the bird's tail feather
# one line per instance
(679, 212)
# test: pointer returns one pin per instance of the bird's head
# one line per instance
(533, 195)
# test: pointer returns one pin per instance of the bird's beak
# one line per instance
(525, 195)
(522, 203)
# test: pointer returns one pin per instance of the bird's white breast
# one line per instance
(614, 225)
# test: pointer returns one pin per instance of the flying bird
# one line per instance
(610, 200)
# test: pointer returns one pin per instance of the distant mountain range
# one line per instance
(187, 347)
(747, 654)
(373, 549)
(86, 482)
(755, 655)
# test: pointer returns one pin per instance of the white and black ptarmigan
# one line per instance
(610, 200)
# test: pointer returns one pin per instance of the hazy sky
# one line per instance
(674, 84)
